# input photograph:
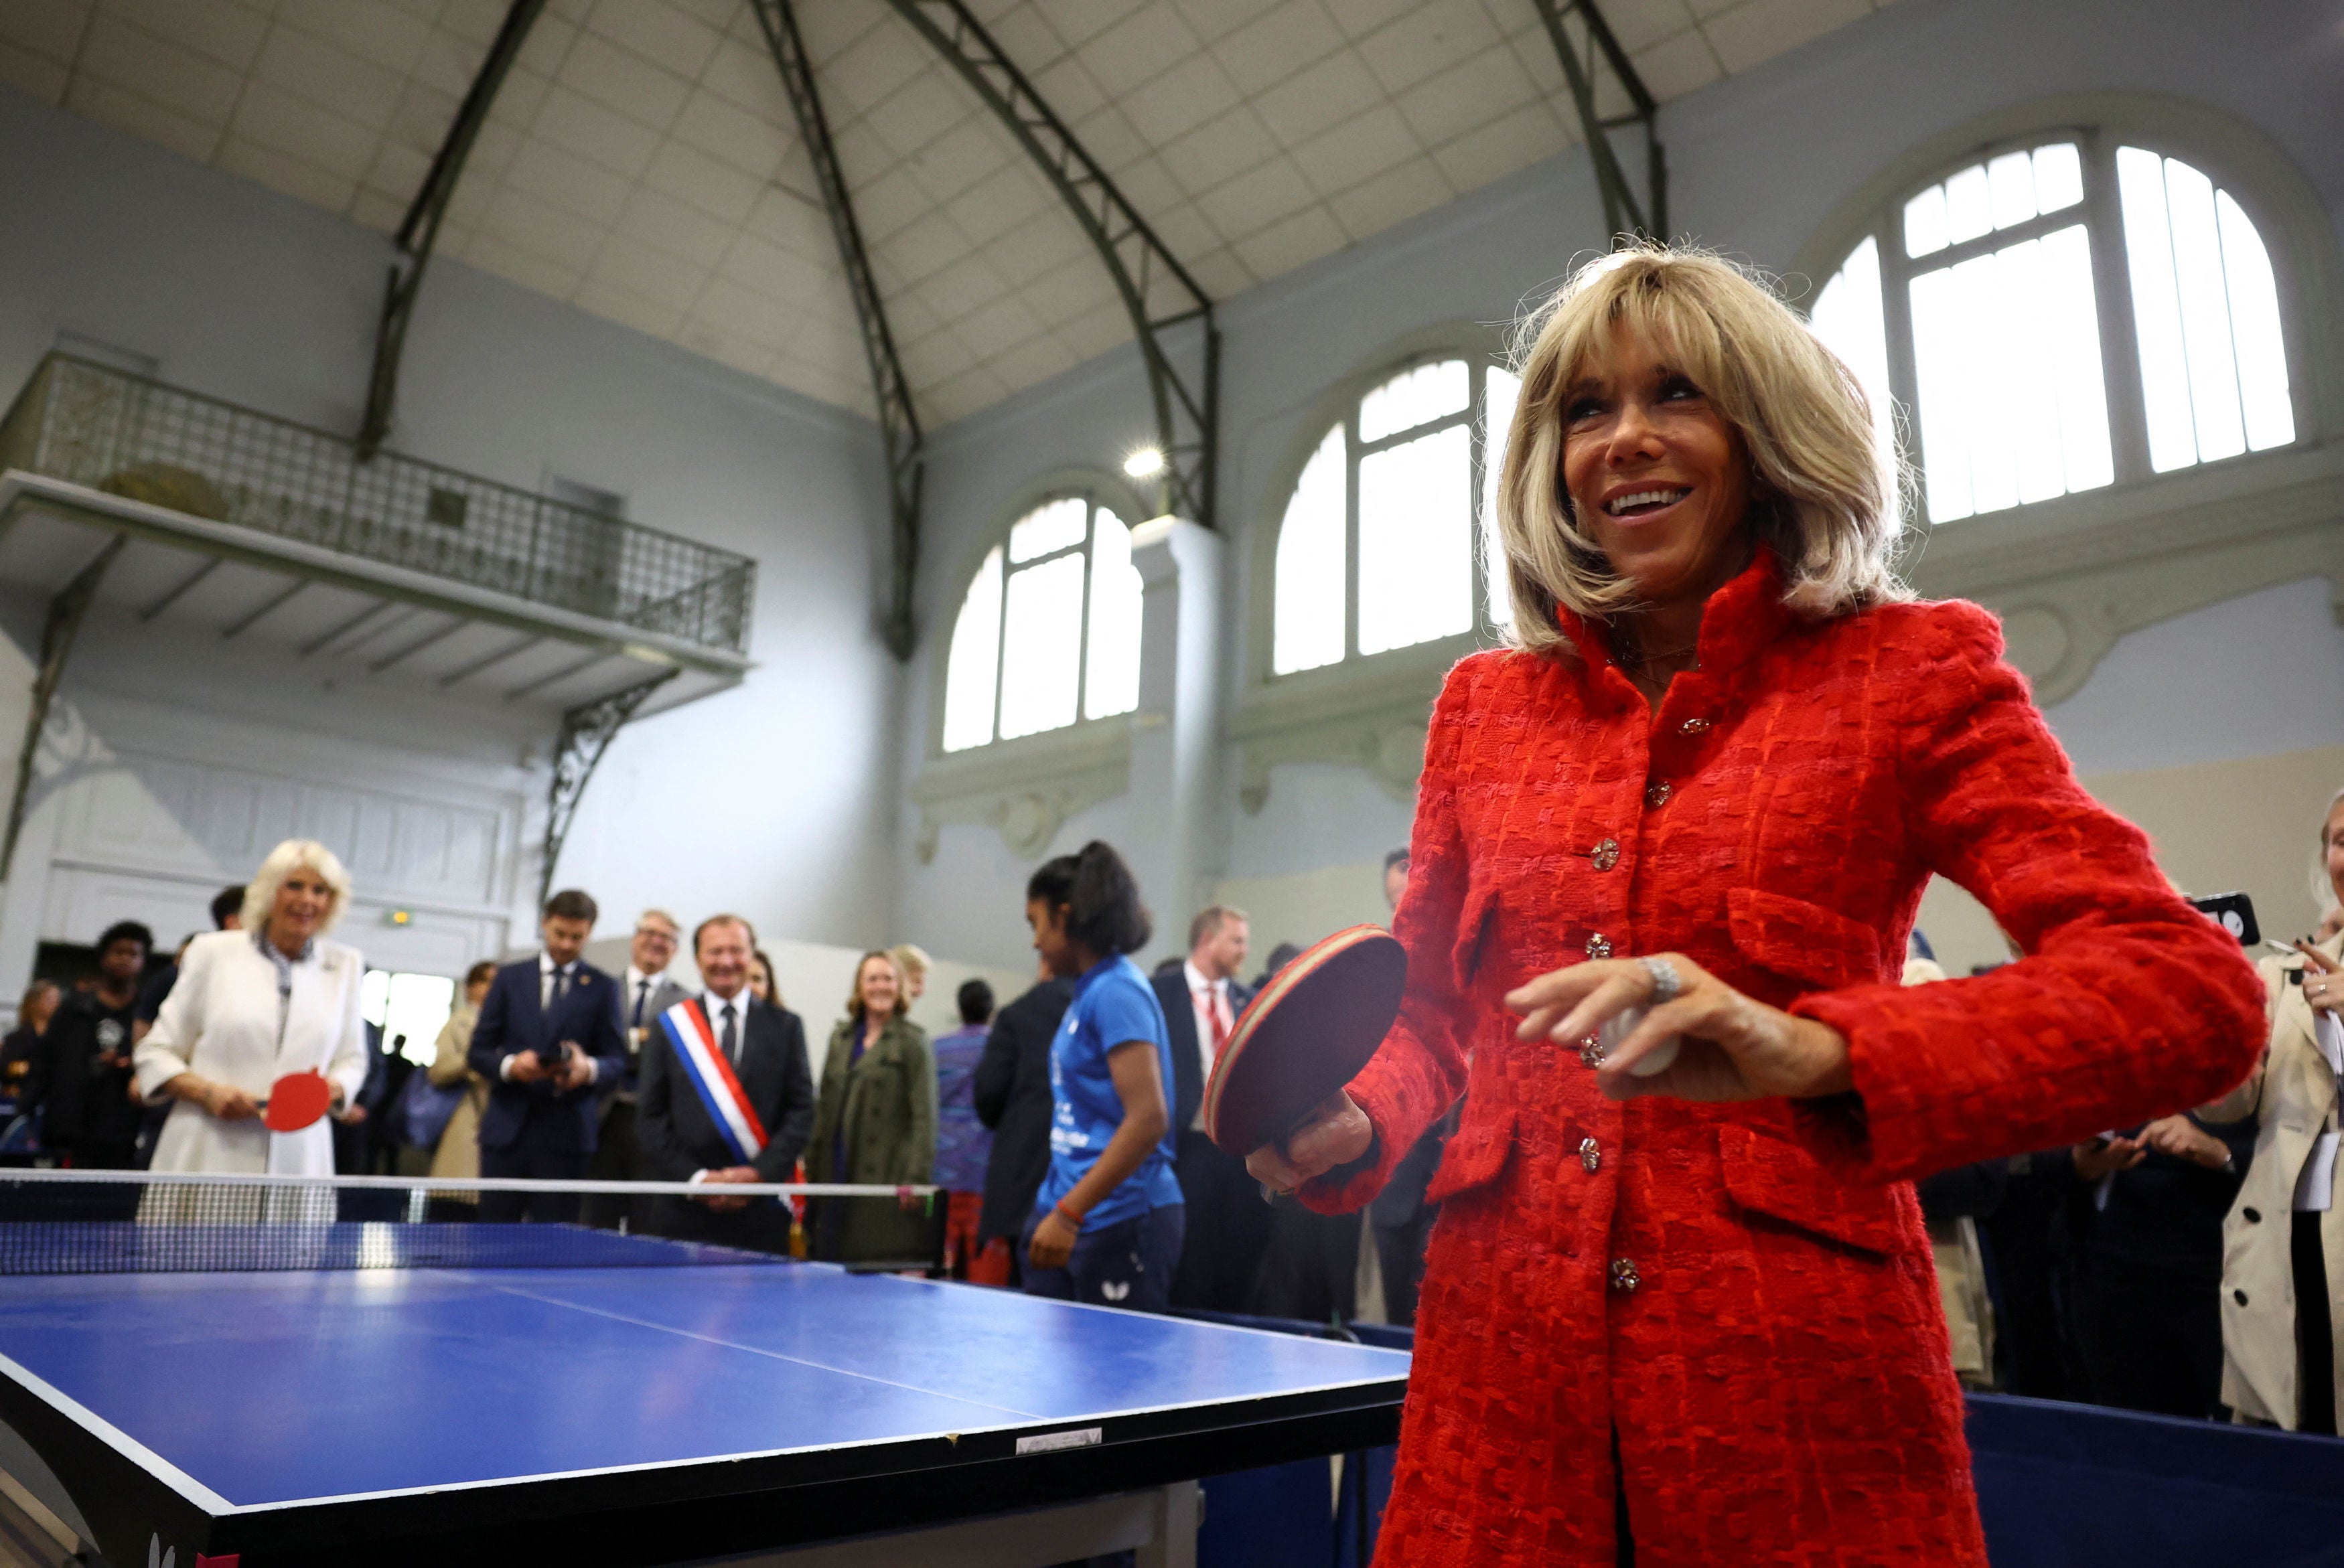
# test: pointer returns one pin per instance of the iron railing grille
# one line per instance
(92, 425)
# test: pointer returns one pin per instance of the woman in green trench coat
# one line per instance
(874, 1121)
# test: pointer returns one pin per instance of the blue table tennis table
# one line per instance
(639, 1415)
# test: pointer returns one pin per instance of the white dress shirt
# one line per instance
(547, 970)
(1204, 996)
(636, 983)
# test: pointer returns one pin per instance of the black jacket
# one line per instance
(1180, 1024)
(673, 1126)
(1012, 1095)
(84, 1079)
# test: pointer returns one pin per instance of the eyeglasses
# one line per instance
(655, 934)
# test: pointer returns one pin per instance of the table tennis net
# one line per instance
(115, 1222)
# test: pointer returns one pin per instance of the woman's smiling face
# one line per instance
(1657, 476)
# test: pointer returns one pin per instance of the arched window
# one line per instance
(1049, 630)
(1389, 536)
(2048, 309)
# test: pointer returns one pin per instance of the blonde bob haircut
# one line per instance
(260, 893)
(1822, 486)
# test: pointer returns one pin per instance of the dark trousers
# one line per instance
(1311, 1270)
(615, 1158)
(1228, 1228)
(1127, 1264)
(544, 1165)
(762, 1227)
(2150, 1337)
(2314, 1350)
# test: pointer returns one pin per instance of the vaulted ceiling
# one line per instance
(643, 163)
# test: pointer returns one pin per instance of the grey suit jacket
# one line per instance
(664, 996)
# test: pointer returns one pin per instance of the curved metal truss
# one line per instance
(899, 423)
(1622, 214)
(420, 228)
(1158, 292)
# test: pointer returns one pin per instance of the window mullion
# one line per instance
(1083, 613)
(1477, 416)
(1001, 647)
(2112, 291)
(1351, 533)
(1904, 369)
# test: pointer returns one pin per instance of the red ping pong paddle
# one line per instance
(1305, 1035)
(297, 1101)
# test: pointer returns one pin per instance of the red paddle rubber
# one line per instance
(295, 1100)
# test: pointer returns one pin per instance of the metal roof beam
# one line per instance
(1187, 403)
(899, 423)
(421, 230)
(1623, 213)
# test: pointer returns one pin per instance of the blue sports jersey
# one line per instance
(1113, 1004)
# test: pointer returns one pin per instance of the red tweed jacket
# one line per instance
(1730, 1312)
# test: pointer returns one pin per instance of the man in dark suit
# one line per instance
(681, 1140)
(1228, 1224)
(645, 991)
(1012, 1096)
(548, 1032)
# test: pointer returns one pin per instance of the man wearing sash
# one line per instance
(726, 1098)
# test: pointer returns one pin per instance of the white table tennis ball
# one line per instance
(1615, 1032)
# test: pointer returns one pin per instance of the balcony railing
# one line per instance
(93, 425)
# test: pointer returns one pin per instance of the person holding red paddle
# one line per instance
(1679, 1305)
(261, 1038)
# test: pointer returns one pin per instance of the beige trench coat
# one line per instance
(458, 1157)
(2292, 1098)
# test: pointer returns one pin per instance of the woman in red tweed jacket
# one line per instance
(1690, 1318)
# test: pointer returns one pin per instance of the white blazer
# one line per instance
(221, 1021)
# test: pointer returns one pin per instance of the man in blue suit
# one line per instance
(548, 1032)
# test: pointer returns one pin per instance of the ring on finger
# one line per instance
(1666, 982)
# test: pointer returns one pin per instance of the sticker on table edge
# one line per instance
(1053, 1441)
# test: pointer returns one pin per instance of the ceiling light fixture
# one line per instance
(1144, 464)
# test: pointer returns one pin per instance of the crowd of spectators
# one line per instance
(2130, 1270)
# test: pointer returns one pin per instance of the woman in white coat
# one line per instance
(2283, 1242)
(251, 1006)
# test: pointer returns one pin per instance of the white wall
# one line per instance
(772, 799)
(1758, 163)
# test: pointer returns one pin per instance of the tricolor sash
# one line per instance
(709, 1073)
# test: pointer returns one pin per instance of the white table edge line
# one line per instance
(113, 1437)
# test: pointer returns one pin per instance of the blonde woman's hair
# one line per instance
(260, 893)
(855, 993)
(2323, 888)
(911, 960)
(1822, 483)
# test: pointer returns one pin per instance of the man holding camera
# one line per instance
(548, 1030)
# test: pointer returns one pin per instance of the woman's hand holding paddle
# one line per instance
(1336, 1132)
(230, 1103)
(1734, 1047)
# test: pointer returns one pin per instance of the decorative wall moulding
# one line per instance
(1024, 790)
(2070, 577)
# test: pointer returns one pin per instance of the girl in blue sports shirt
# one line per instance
(1107, 1221)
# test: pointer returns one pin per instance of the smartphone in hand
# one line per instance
(2234, 912)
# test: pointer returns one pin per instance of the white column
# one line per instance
(1176, 733)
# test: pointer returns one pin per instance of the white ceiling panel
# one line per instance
(641, 161)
